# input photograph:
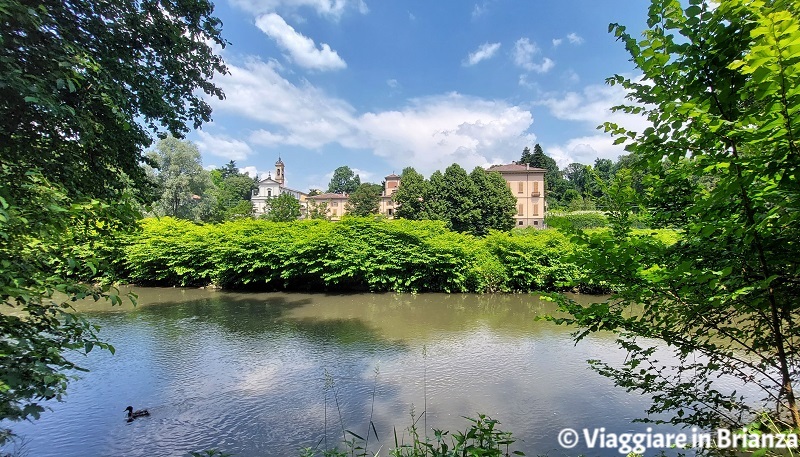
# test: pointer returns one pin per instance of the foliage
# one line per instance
(180, 178)
(457, 195)
(283, 208)
(411, 196)
(40, 264)
(365, 200)
(317, 210)
(354, 254)
(576, 220)
(720, 88)
(496, 203)
(344, 181)
(83, 87)
(472, 203)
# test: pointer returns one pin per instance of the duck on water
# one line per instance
(134, 414)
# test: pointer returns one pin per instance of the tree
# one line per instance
(180, 177)
(283, 208)
(318, 210)
(314, 192)
(85, 86)
(496, 203)
(344, 181)
(578, 176)
(457, 196)
(365, 200)
(719, 88)
(412, 195)
(229, 169)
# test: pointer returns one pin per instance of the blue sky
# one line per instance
(381, 85)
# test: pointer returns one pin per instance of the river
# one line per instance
(260, 374)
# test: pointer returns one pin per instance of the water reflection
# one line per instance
(244, 373)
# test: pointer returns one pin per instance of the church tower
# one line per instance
(280, 171)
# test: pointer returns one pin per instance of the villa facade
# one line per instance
(527, 185)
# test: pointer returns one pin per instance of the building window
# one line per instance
(536, 188)
(535, 222)
(535, 210)
(520, 187)
(520, 210)
(255, 191)
(269, 192)
(334, 212)
(520, 222)
(334, 204)
(391, 212)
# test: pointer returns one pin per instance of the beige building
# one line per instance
(527, 184)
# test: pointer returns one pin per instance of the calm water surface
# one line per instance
(246, 373)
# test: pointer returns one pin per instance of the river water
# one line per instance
(267, 374)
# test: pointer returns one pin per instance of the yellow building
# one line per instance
(334, 204)
(527, 184)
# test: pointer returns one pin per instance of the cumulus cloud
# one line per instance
(222, 146)
(591, 107)
(302, 49)
(484, 52)
(557, 42)
(574, 38)
(332, 9)
(524, 53)
(392, 83)
(430, 132)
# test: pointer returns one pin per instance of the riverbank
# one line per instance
(358, 254)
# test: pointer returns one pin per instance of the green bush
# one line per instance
(578, 220)
(356, 254)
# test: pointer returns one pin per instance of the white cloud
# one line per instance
(484, 52)
(430, 132)
(591, 107)
(251, 171)
(302, 50)
(392, 83)
(434, 132)
(524, 52)
(332, 9)
(557, 42)
(574, 38)
(222, 146)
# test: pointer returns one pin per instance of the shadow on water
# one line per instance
(243, 372)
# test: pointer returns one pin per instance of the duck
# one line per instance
(134, 414)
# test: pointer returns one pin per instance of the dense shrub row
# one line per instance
(354, 254)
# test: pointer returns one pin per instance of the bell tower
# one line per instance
(280, 171)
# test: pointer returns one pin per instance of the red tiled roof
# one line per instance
(392, 176)
(515, 168)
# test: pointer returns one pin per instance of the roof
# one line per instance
(329, 196)
(393, 176)
(268, 179)
(516, 168)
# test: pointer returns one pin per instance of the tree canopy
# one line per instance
(365, 200)
(283, 208)
(84, 86)
(720, 162)
(344, 181)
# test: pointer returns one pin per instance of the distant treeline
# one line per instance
(356, 254)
